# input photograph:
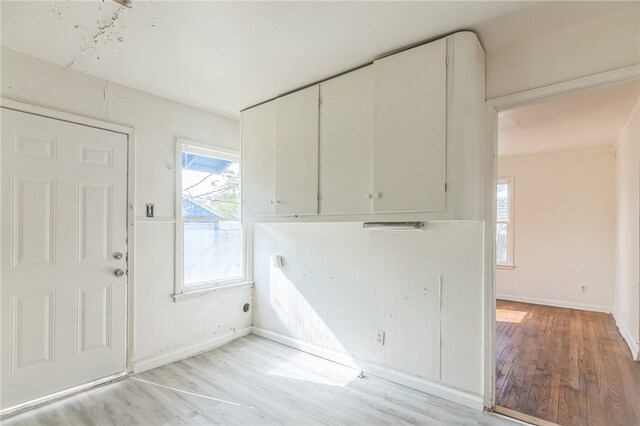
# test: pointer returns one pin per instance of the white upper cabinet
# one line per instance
(399, 139)
(258, 160)
(346, 131)
(410, 130)
(280, 156)
(296, 171)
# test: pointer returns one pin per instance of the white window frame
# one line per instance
(181, 291)
(510, 182)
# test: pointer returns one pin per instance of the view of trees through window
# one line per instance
(211, 215)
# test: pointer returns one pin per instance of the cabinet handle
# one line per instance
(378, 194)
(277, 201)
(368, 196)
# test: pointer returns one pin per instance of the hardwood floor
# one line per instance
(253, 381)
(566, 366)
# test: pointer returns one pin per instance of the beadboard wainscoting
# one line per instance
(340, 285)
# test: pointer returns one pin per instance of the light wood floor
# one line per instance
(253, 381)
(566, 366)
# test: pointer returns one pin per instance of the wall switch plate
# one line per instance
(277, 261)
(583, 288)
(380, 337)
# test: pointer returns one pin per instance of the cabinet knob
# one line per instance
(378, 194)
(277, 201)
(368, 196)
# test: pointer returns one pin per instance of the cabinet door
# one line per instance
(410, 106)
(296, 172)
(347, 143)
(258, 160)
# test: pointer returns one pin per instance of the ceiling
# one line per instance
(225, 56)
(588, 119)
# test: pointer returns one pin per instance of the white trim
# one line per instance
(131, 149)
(155, 219)
(556, 303)
(492, 107)
(437, 389)
(64, 116)
(12, 411)
(633, 343)
(505, 266)
(217, 289)
(608, 78)
(189, 351)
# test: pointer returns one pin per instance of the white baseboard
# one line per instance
(188, 351)
(437, 389)
(632, 341)
(557, 303)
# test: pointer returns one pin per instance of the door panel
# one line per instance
(258, 160)
(32, 215)
(296, 172)
(410, 106)
(347, 143)
(94, 221)
(94, 318)
(64, 207)
(32, 320)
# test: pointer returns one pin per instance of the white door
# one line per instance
(296, 172)
(410, 122)
(346, 132)
(258, 160)
(63, 227)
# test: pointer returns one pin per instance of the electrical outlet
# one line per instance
(380, 337)
(583, 288)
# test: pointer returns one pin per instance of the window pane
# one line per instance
(502, 210)
(501, 243)
(212, 251)
(210, 187)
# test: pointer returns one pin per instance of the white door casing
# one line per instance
(64, 191)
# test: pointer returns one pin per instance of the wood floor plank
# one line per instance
(565, 366)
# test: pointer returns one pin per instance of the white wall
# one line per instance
(564, 215)
(340, 283)
(627, 192)
(602, 44)
(161, 326)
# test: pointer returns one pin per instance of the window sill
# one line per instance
(217, 289)
(505, 266)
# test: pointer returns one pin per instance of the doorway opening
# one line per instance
(566, 201)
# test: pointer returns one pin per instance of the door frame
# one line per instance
(130, 199)
(492, 108)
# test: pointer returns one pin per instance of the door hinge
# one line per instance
(320, 101)
(445, 187)
(446, 60)
(319, 197)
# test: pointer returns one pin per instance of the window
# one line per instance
(209, 234)
(504, 222)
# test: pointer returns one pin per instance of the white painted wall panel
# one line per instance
(340, 283)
